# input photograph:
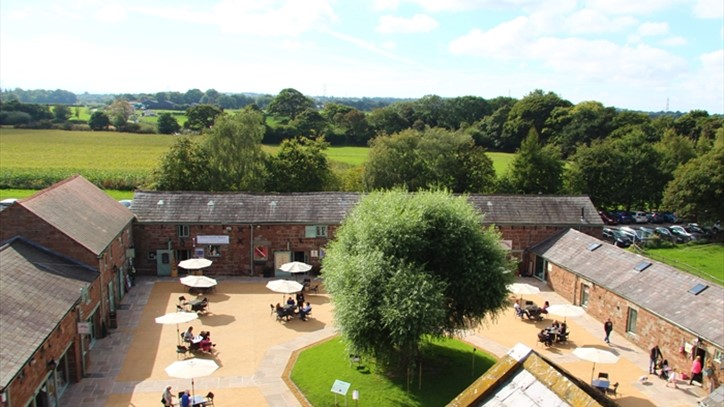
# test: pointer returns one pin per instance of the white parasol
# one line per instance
(522, 288)
(595, 355)
(284, 286)
(566, 310)
(195, 263)
(295, 267)
(191, 369)
(198, 281)
(177, 318)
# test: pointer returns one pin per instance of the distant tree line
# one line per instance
(621, 159)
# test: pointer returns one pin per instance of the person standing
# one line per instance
(654, 356)
(607, 328)
(696, 369)
(167, 397)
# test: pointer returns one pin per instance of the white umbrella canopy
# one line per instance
(295, 267)
(595, 355)
(566, 310)
(177, 318)
(522, 288)
(191, 369)
(195, 264)
(284, 286)
(198, 281)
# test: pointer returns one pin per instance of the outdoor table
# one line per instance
(601, 384)
(197, 339)
(198, 401)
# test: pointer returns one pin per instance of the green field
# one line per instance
(448, 367)
(703, 260)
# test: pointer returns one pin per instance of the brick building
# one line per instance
(253, 234)
(43, 295)
(648, 302)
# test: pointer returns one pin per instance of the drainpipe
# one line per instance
(251, 249)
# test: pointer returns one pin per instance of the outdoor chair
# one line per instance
(272, 309)
(209, 399)
(314, 288)
(181, 350)
(612, 390)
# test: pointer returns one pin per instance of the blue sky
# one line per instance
(624, 53)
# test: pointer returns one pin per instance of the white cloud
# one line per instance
(464, 5)
(709, 9)
(590, 21)
(502, 42)
(110, 13)
(652, 29)
(417, 23)
(628, 7)
(385, 4)
(270, 18)
(673, 41)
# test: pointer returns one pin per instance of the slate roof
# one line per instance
(523, 377)
(332, 207)
(661, 289)
(37, 289)
(80, 210)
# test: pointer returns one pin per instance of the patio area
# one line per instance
(253, 348)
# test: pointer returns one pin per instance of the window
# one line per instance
(585, 292)
(183, 230)
(315, 231)
(214, 251)
(631, 322)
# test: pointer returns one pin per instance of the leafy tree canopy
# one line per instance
(167, 124)
(185, 167)
(299, 166)
(429, 158)
(290, 103)
(405, 266)
(536, 169)
(99, 121)
(202, 116)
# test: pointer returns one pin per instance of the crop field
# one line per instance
(34, 159)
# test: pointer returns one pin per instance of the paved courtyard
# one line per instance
(253, 349)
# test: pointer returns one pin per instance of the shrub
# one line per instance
(14, 118)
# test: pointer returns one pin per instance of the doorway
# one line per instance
(164, 258)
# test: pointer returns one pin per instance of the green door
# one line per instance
(164, 259)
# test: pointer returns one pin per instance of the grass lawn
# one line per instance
(447, 370)
(703, 260)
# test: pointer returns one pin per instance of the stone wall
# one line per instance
(650, 329)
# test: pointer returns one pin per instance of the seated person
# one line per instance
(189, 335)
(290, 302)
(544, 309)
(206, 344)
(544, 337)
(562, 332)
(665, 369)
(556, 326)
(519, 312)
(305, 311)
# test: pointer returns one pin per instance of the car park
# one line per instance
(623, 217)
(656, 217)
(665, 233)
(670, 217)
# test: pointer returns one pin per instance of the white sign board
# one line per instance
(212, 239)
(340, 387)
(84, 328)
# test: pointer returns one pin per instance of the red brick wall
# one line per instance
(21, 390)
(235, 258)
(650, 329)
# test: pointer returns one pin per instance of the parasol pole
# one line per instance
(593, 370)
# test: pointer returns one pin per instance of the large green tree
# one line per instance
(237, 160)
(99, 121)
(167, 124)
(531, 111)
(536, 169)
(429, 158)
(119, 112)
(61, 113)
(405, 267)
(299, 166)
(201, 117)
(185, 167)
(289, 103)
(697, 190)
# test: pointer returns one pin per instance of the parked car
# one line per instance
(126, 202)
(656, 217)
(630, 232)
(680, 231)
(607, 218)
(623, 217)
(670, 217)
(7, 202)
(616, 237)
(665, 233)
(640, 217)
